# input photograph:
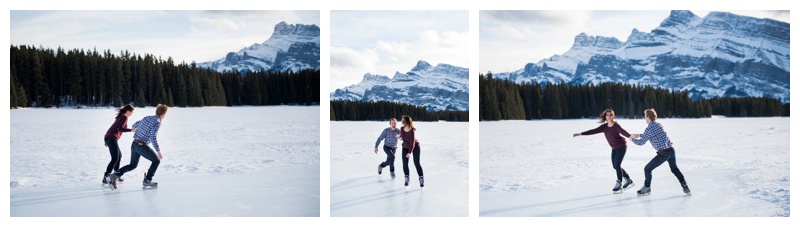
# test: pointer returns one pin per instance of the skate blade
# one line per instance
(618, 192)
(643, 194)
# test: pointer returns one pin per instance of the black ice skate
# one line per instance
(617, 188)
(149, 184)
(628, 184)
(644, 191)
(686, 189)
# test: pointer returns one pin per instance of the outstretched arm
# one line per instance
(599, 129)
(640, 139)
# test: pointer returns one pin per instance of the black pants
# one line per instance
(116, 155)
(616, 161)
(666, 155)
(142, 151)
(389, 157)
(416, 161)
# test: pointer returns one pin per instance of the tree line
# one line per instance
(73, 78)
(345, 110)
(505, 100)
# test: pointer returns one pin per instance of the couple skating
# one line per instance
(390, 136)
(654, 133)
(145, 132)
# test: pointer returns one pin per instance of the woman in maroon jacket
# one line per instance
(112, 136)
(410, 146)
(612, 131)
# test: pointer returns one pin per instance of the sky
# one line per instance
(185, 36)
(511, 39)
(385, 42)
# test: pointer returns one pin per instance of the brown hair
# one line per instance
(408, 121)
(392, 119)
(124, 109)
(651, 113)
(603, 115)
(161, 110)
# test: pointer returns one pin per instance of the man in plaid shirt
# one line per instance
(389, 136)
(665, 153)
(146, 131)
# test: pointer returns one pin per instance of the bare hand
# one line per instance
(408, 155)
(106, 145)
(576, 135)
(636, 135)
(159, 155)
(133, 130)
(376, 150)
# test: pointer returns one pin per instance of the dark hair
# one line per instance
(124, 109)
(408, 121)
(603, 115)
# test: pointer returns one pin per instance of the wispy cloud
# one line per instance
(511, 39)
(183, 35)
(386, 42)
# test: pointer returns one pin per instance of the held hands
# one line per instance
(133, 129)
(636, 136)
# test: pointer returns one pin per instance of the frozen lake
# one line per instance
(210, 148)
(358, 191)
(736, 167)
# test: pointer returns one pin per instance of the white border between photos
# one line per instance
(325, 7)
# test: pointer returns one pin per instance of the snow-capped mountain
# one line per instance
(440, 87)
(722, 54)
(291, 47)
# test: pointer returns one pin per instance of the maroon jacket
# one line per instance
(409, 139)
(120, 125)
(612, 134)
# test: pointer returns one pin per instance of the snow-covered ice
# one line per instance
(735, 167)
(358, 191)
(218, 161)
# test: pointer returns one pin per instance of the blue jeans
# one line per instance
(389, 157)
(616, 161)
(142, 151)
(666, 155)
(416, 161)
(116, 155)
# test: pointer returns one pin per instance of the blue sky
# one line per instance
(385, 42)
(183, 35)
(511, 39)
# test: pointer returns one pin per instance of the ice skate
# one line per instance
(617, 188)
(628, 184)
(686, 189)
(644, 191)
(113, 180)
(149, 184)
